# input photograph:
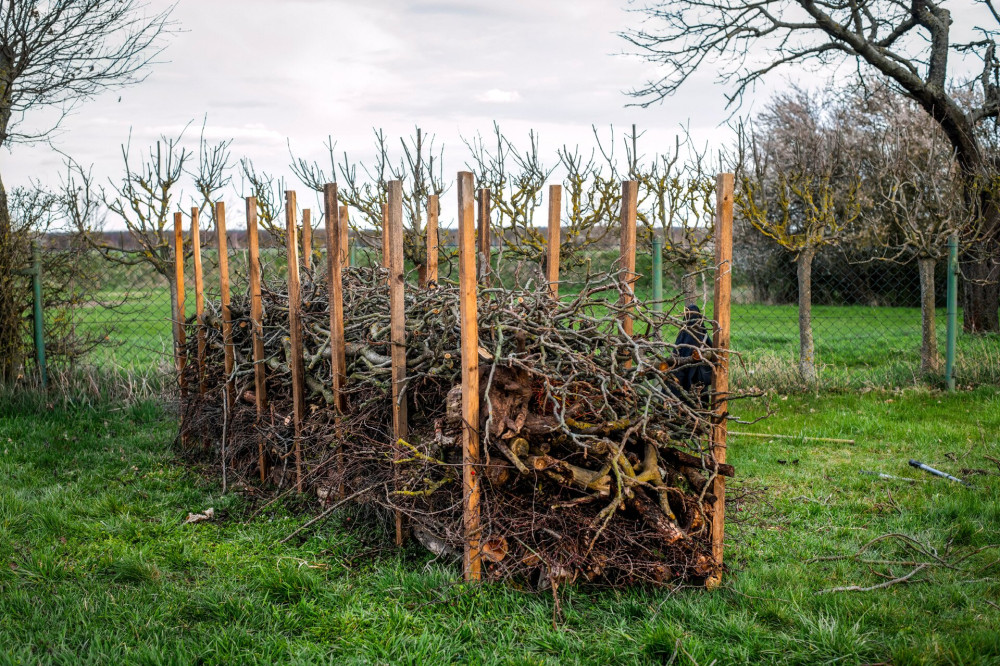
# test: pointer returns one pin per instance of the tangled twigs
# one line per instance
(927, 558)
(596, 465)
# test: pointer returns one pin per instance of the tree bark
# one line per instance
(807, 352)
(981, 271)
(10, 315)
(928, 346)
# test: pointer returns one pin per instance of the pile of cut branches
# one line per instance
(595, 459)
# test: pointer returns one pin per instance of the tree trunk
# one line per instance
(981, 288)
(981, 262)
(928, 345)
(10, 314)
(807, 352)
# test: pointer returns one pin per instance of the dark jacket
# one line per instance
(693, 378)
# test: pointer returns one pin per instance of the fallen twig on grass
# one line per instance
(880, 586)
(931, 560)
(893, 477)
(328, 511)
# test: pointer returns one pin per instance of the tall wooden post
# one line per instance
(471, 560)
(345, 238)
(431, 272)
(630, 197)
(295, 332)
(555, 231)
(257, 327)
(720, 381)
(199, 296)
(227, 317)
(181, 351)
(397, 323)
(229, 351)
(335, 255)
(485, 242)
(307, 239)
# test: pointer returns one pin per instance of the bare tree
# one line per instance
(214, 172)
(908, 42)
(269, 192)
(677, 203)
(915, 193)
(55, 54)
(799, 189)
(515, 180)
(143, 199)
(419, 168)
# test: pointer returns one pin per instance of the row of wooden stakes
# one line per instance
(470, 277)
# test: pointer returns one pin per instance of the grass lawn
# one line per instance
(96, 565)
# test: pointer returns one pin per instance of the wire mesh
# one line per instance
(865, 312)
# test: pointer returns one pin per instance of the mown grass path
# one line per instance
(96, 565)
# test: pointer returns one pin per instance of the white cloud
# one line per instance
(497, 96)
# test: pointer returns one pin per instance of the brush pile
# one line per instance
(595, 460)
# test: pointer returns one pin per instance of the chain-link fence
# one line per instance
(865, 320)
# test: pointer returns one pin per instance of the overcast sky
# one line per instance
(269, 72)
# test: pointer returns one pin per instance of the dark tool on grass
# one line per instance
(935, 472)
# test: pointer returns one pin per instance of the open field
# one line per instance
(97, 567)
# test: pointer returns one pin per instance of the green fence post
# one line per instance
(38, 324)
(949, 364)
(657, 274)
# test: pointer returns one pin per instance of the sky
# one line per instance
(274, 73)
(270, 74)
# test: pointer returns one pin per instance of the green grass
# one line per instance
(96, 565)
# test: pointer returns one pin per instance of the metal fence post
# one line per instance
(657, 274)
(949, 364)
(39, 324)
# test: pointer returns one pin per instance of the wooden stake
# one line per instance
(431, 272)
(485, 242)
(257, 327)
(630, 196)
(555, 229)
(199, 296)
(227, 317)
(720, 381)
(307, 239)
(345, 238)
(295, 332)
(229, 351)
(397, 322)
(335, 254)
(181, 351)
(471, 561)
